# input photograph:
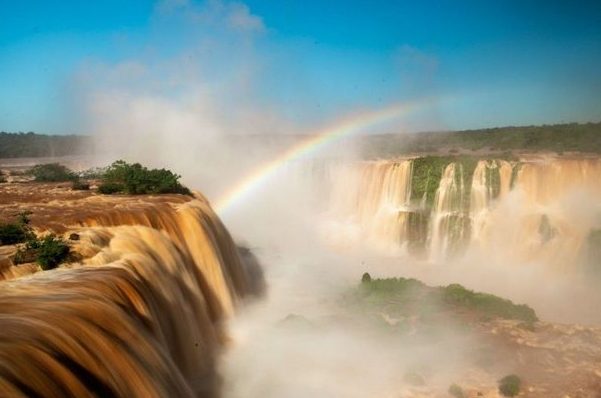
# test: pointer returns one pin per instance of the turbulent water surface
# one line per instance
(152, 302)
(140, 315)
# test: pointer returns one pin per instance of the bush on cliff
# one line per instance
(403, 297)
(487, 304)
(51, 251)
(456, 391)
(79, 185)
(510, 385)
(11, 234)
(135, 179)
(48, 252)
(18, 232)
(108, 188)
(51, 172)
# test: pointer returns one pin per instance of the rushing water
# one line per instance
(140, 317)
(538, 209)
(142, 313)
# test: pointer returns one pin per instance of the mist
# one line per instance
(203, 114)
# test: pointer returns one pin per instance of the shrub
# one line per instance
(49, 251)
(24, 218)
(456, 391)
(92, 173)
(19, 232)
(11, 234)
(510, 385)
(407, 297)
(108, 188)
(2, 178)
(389, 288)
(51, 172)
(52, 252)
(79, 185)
(488, 304)
(136, 179)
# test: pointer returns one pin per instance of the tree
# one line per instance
(51, 172)
(135, 179)
(510, 385)
(19, 232)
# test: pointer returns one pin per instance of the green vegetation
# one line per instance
(50, 251)
(12, 233)
(487, 304)
(558, 138)
(584, 137)
(408, 297)
(94, 173)
(79, 185)
(427, 172)
(510, 385)
(109, 188)
(493, 178)
(390, 288)
(456, 391)
(19, 232)
(135, 179)
(2, 178)
(366, 278)
(514, 174)
(119, 177)
(51, 172)
(31, 145)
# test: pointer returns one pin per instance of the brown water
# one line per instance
(140, 316)
(535, 209)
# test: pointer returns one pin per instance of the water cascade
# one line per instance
(540, 207)
(138, 315)
(378, 196)
(447, 220)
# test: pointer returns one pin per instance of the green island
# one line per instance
(411, 303)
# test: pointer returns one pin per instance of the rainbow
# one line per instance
(310, 146)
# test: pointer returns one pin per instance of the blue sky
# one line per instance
(491, 63)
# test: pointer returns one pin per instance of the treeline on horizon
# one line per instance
(579, 137)
(32, 145)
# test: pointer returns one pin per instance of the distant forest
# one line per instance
(578, 137)
(32, 145)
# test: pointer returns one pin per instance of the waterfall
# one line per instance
(559, 206)
(447, 223)
(377, 197)
(139, 315)
(532, 209)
